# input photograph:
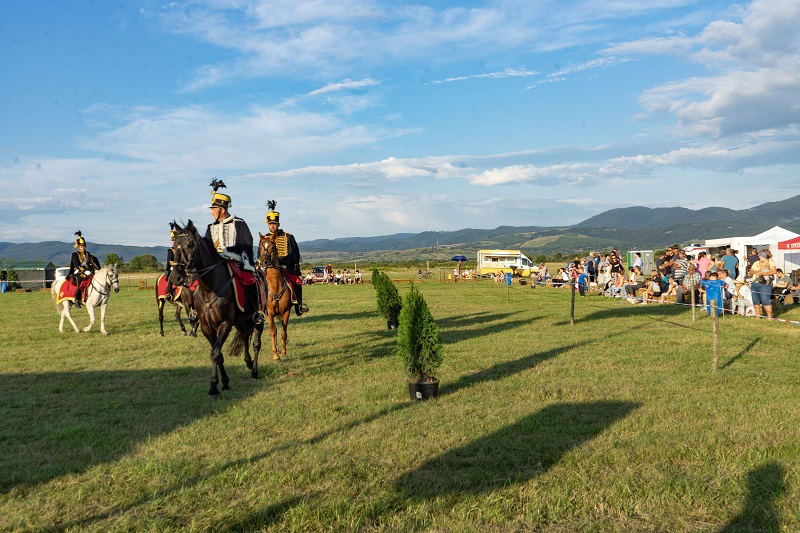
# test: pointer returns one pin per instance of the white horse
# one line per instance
(97, 294)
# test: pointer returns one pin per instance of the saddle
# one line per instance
(176, 291)
(243, 281)
(67, 289)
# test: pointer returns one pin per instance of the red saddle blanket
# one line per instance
(241, 279)
(161, 285)
(67, 290)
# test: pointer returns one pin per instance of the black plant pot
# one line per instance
(423, 390)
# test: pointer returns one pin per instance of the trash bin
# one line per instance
(3, 286)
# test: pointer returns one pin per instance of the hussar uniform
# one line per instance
(232, 239)
(288, 255)
(82, 266)
(231, 236)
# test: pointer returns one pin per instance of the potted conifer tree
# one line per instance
(419, 346)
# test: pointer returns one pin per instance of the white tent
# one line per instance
(787, 260)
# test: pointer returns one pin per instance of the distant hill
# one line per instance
(629, 228)
(60, 252)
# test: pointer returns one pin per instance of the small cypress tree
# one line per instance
(389, 301)
(419, 345)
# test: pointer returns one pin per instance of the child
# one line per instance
(671, 290)
(583, 281)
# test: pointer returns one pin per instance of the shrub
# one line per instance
(389, 301)
(419, 345)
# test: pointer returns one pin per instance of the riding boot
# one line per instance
(78, 296)
(299, 308)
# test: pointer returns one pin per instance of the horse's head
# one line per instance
(113, 277)
(184, 249)
(267, 252)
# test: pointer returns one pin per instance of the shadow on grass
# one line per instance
(514, 454)
(507, 368)
(264, 517)
(606, 307)
(745, 350)
(765, 484)
(64, 422)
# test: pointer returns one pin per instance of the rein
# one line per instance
(273, 264)
(110, 283)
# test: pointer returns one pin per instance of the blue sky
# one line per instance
(373, 117)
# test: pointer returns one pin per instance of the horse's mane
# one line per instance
(201, 241)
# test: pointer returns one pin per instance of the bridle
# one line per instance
(270, 260)
(109, 278)
(188, 266)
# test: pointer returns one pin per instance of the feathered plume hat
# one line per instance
(79, 240)
(217, 198)
(272, 215)
(172, 227)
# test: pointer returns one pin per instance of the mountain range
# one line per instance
(629, 228)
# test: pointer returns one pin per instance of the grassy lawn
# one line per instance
(615, 423)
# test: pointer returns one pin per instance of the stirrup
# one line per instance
(77, 303)
(258, 317)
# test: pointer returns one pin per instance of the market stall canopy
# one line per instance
(458, 258)
(791, 244)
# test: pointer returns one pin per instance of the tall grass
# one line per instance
(617, 423)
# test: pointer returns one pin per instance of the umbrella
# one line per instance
(458, 258)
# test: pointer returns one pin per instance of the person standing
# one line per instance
(231, 237)
(730, 263)
(761, 288)
(681, 266)
(288, 255)
(82, 266)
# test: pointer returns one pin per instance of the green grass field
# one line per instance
(615, 423)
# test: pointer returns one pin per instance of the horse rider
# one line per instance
(231, 237)
(170, 261)
(288, 254)
(82, 266)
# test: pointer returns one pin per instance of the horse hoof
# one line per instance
(276, 357)
(213, 392)
(254, 375)
(183, 333)
(225, 387)
(249, 365)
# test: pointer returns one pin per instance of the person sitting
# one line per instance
(358, 278)
(652, 289)
(690, 284)
(671, 291)
(288, 255)
(635, 282)
(542, 276)
(743, 299)
(82, 266)
(231, 237)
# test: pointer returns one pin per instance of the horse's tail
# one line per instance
(238, 343)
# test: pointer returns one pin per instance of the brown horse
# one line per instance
(279, 293)
(183, 298)
(215, 302)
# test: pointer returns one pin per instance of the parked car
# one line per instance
(318, 273)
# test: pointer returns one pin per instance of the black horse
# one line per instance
(215, 302)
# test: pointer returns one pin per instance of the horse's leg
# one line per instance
(67, 312)
(273, 333)
(218, 361)
(90, 310)
(258, 330)
(285, 323)
(178, 318)
(103, 308)
(160, 304)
